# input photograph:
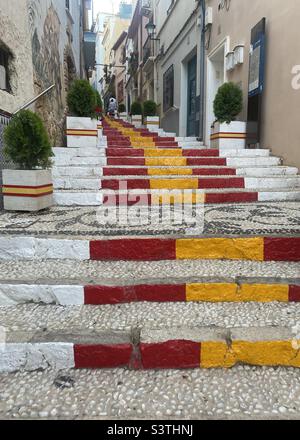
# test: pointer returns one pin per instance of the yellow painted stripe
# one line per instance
(152, 123)
(264, 292)
(226, 292)
(174, 184)
(177, 199)
(170, 161)
(261, 353)
(228, 136)
(221, 248)
(170, 171)
(157, 152)
(82, 133)
(33, 191)
(211, 292)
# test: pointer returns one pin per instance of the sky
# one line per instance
(106, 6)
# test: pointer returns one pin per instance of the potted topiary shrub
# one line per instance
(122, 112)
(227, 132)
(151, 120)
(136, 114)
(98, 113)
(26, 143)
(82, 123)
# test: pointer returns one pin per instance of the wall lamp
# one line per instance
(150, 28)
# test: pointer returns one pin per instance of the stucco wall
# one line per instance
(280, 118)
(180, 36)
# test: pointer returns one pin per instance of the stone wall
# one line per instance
(44, 40)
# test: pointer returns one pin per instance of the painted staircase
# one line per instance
(169, 301)
(136, 166)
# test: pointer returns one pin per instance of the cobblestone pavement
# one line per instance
(240, 393)
(247, 219)
(125, 317)
(112, 272)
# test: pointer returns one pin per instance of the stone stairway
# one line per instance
(75, 293)
(139, 166)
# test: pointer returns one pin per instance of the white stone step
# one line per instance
(245, 153)
(78, 198)
(78, 152)
(240, 162)
(76, 183)
(272, 182)
(187, 139)
(78, 172)
(68, 161)
(266, 171)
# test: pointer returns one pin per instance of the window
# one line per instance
(4, 70)
(169, 88)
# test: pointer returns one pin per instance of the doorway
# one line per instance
(191, 96)
(216, 76)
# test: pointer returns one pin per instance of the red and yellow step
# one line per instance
(195, 292)
(176, 183)
(246, 249)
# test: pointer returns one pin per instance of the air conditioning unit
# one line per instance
(3, 84)
(209, 16)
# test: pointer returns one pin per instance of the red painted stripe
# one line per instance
(101, 295)
(161, 293)
(201, 153)
(133, 250)
(282, 249)
(28, 187)
(214, 172)
(294, 293)
(236, 197)
(130, 184)
(171, 354)
(124, 152)
(31, 196)
(125, 172)
(207, 183)
(127, 200)
(207, 161)
(102, 356)
(166, 143)
(127, 161)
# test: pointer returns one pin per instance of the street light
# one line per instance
(150, 28)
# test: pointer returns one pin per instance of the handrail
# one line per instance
(32, 101)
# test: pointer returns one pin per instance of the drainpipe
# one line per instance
(202, 70)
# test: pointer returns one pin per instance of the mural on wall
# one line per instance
(47, 68)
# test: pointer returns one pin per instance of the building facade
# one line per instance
(231, 27)
(113, 28)
(137, 37)
(41, 45)
(178, 30)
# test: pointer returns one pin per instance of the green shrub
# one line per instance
(228, 102)
(82, 99)
(26, 141)
(98, 99)
(150, 108)
(122, 108)
(136, 108)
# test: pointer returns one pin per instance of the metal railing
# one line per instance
(5, 118)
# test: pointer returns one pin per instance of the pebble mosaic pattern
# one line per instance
(247, 219)
(241, 393)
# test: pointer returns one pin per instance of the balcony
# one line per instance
(133, 64)
(149, 55)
